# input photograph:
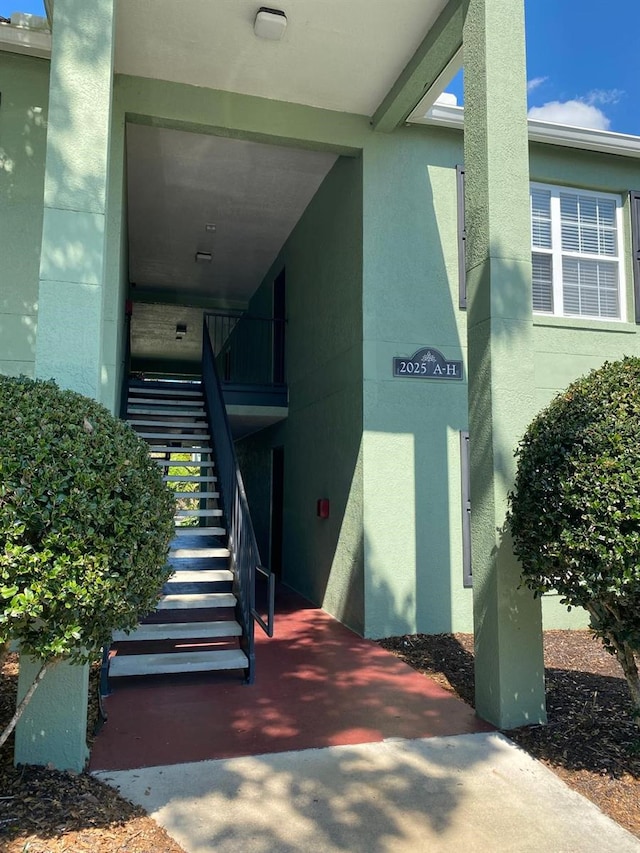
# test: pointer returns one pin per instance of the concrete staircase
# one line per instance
(194, 628)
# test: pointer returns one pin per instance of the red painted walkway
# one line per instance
(318, 684)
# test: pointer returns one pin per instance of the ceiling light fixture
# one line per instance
(203, 257)
(209, 226)
(270, 23)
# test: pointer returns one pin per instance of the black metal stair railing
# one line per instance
(248, 349)
(243, 547)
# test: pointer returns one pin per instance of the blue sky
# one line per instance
(583, 64)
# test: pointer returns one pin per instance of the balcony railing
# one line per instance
(248, 350)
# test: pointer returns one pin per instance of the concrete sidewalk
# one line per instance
(475, 793)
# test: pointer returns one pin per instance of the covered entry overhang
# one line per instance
(207, 213)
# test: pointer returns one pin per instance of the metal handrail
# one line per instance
(248, 349)
(242, 544)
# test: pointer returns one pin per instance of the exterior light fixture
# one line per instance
(210, 226)
(181, 331)
(270, 23)
(203, 257)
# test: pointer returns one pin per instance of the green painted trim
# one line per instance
(158, 103)
(438, 49)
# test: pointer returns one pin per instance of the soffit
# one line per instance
(335, 54)
(179, 182)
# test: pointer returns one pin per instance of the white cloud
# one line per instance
(576, 113)
(535, 82)
(447, 98)
(604, 96)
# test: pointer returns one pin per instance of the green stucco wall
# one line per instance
(24, 83)
(322, 435)
(412, 517)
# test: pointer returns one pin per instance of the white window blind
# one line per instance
(576, 253)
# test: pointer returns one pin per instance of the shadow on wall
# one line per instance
(22, 150)
(74, 170)
(23, 123)
(71, 311)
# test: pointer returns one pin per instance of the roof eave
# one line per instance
(546, 132)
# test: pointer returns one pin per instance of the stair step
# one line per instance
(200, 531)
(180, 631)
(201, 576)
(189, 478)
(130, 665)
(166, 436)
(166, 448)
(157, 407)
(200, 496)
(166, 422)
(199, 513)
(196, 600)
(177, 463)
(198, 553)
(168, 391)
(141, 409)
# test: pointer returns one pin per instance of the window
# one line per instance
(576, 253)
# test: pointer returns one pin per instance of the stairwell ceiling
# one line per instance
(251, 193)
(341, 55)
(337, 54)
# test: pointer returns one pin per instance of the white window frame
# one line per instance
(557, 253)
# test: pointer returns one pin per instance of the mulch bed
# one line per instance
(590, 741)
(46, 811)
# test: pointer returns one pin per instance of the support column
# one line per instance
(76, 177)
(507, 620)
(70, 305)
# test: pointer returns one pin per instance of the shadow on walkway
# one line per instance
(318, 684)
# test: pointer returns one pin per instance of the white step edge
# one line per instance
(189, 450)
(180, 631)
(172, 406)
(189, 478)
(199, 531)
(206, 661)
(196, 600)
(199, 553)
(158, 410)
(183, 463)
(176, 422)
(201, 513)
(200, 496)
(169, 392)
(179, 436)
(201, 576)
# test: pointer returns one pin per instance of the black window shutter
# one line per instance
(462, 236)
(635, 246)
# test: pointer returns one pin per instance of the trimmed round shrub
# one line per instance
(575, 510)
(85, 522)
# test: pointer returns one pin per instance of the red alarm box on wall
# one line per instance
(323, 508)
